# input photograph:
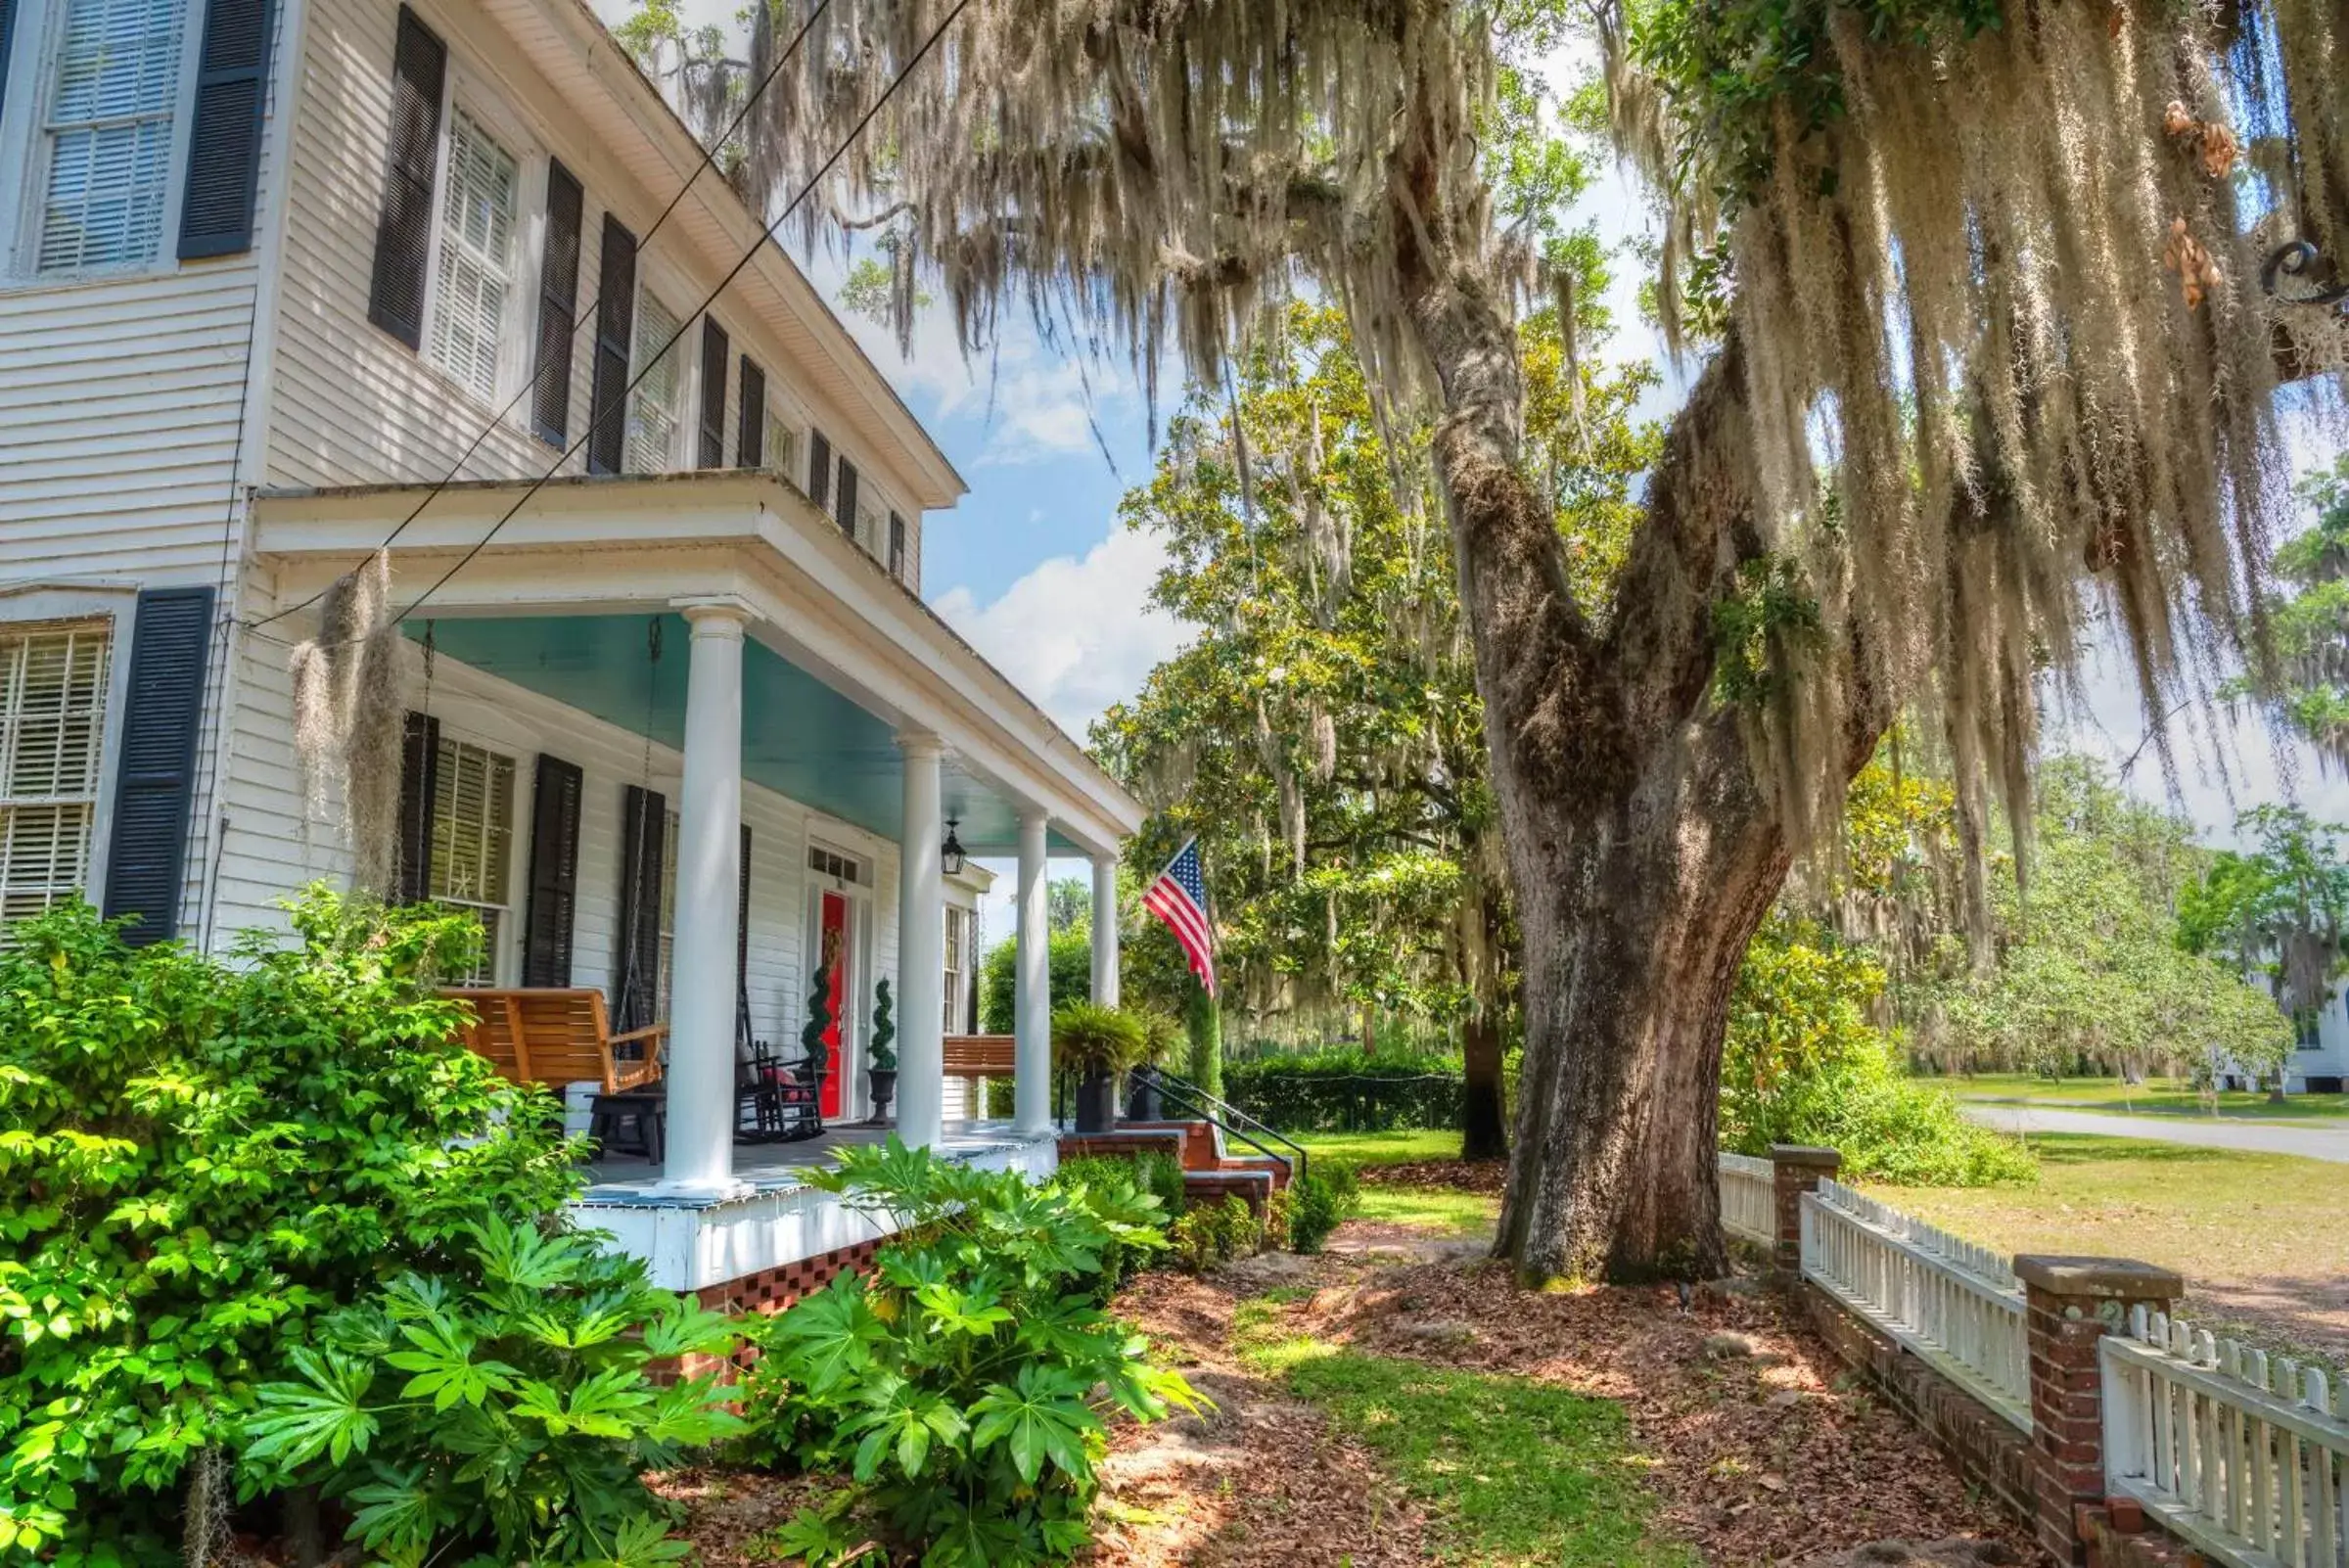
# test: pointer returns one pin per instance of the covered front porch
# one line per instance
(713, 645)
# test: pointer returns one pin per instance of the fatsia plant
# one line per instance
(504, 1411)
(964, 1382)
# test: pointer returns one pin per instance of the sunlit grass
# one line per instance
(1383, 1148)
(2160, 1097)
(1438, 1209)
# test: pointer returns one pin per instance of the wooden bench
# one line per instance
(557, 1037)
(975, 1059)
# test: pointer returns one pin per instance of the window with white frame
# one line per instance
(473, 296)
(957, 947)
(781, 453)
(472, 842)
(107, 133)
(653, 406)
(53, 686)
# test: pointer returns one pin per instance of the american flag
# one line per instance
(1180, 898)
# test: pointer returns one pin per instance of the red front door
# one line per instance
(833, 935)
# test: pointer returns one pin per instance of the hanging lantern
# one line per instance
(951, 859)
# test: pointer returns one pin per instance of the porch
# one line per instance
(803, 745)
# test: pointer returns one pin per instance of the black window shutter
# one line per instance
(847, 497)
(716, 356)
(403, 231)
(615, 325)
(554, 873)
(742, 949)
(419, 777)
(154, 779)
(750, 441)
(8, 37)
(636, 967)
(819, 470)
(897, 547)
(558, 306)
(224, 142)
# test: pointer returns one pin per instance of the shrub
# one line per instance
(961, 1382)
(1072, 969)
(1802, 1064)
(1209, 1233)
(506, 1410)
(208, 1159)
(1346, 1090)
(1151, 1171)
(1326, 1196)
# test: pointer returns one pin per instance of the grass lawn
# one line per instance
(1512, 1470)
(2258, 1237)
(1382, 1148)
(2160, 1097)
(1442, 1210)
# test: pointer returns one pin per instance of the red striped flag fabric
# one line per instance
(1178, 897)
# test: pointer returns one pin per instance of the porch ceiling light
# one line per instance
(951, 857)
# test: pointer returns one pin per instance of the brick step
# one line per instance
(1253, 1187)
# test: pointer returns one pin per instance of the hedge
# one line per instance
(1346, 1090)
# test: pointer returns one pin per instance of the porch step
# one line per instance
(1253, 1187)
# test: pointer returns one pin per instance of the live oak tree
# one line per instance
(1321, 732)
(1993, 354)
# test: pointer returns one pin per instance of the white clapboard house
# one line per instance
(272, 270)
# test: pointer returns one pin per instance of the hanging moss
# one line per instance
(350, 716)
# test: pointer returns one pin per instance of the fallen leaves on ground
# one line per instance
(1488, 1176)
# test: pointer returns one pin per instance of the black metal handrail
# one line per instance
(1239, 1125)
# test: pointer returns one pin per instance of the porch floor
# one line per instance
(770, 1167)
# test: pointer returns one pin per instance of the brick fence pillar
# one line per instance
(1796, 1169)
(2071, 1303)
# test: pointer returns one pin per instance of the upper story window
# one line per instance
(654, 406)
(473, 305)
(53, 690)
(108, 132)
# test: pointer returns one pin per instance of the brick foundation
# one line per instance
(2117, 1534)
(1989, 1451)
(768, 1292)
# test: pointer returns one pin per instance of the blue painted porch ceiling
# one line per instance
(799, 736)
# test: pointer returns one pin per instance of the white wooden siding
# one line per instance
(269, 853)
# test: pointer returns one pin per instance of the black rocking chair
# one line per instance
(783, 1095)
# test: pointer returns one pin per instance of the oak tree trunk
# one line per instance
(1484, 1131)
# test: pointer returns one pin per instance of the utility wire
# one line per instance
(748, 256)
(587, 317)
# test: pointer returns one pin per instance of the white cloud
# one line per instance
(1076, 634)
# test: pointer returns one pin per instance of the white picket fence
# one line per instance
(1955, 1305)
(1749, 1198)
(2240, 1453)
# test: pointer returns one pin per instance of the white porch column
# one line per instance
(1032, 986)
(701, 1012)
(1105, 930)
(921, 947)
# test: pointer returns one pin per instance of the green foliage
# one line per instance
(1089, 1039)
(1345, 1089)
(1152, 1171)
(207, 1158)
(1202, 1023)
(1071, 967)
(1803, 1064)
(1325, 1198)
(2281, 912)
(885, 1029)
(963, 1384)
(502, 1409)
(1209, 1233)
(2308, 617)
(1163, 1036)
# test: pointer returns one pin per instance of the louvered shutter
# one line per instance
(615, 326)
(8, 39)
(558, 306)
(225, 145)
(897, 547)
(848, 498)
(643, 830)
(403, 231)
(154, 780)
(750, 435)
(554, 873)
(819, 468)
(717, 352)
(419, 784)
(742, 949)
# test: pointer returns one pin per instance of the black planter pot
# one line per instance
(1142, 1105)
(1096, 1102)
(884, 1084)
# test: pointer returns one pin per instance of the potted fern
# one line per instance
(1096, 1043)
(1162, 1036)
(882, 1075)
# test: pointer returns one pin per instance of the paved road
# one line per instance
(2266, 1138)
